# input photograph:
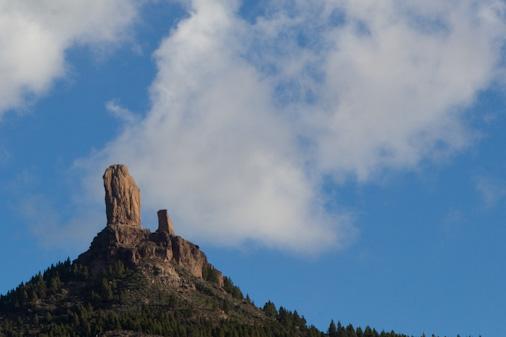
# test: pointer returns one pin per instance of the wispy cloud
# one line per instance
(4, 155)
(247, 118)
(52, 228)
(123, 114)
(491, 190)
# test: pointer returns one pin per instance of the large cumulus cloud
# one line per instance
(248, 117)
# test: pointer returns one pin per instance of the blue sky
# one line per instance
(345, 159)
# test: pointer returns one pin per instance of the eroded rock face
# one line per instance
(188, 255)
(136, 247)
(122, 197)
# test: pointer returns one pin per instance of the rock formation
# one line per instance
(133, 279)
(165, 222)
(122, 197)
(125, 239)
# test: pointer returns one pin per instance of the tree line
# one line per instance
(67, 300)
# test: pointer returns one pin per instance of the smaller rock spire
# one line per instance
(165, 222)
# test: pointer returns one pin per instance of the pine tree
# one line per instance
(270, 309)
(332, 331)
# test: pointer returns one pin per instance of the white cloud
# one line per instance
(121, 113)
(395, 94)
(214, 150)
(247, 118)
(34, 35)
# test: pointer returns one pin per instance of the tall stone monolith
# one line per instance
(122, 197)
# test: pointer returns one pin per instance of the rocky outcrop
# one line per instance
(124, 239)
(122, 197)
(139, 247)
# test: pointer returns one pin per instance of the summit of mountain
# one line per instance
(132, 282)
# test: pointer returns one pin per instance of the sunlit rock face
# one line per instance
(122, 197)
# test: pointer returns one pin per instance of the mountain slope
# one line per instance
(132, 282)
(135, 280)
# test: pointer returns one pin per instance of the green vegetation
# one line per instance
(210, 274)
(232, 289)
(69, 300)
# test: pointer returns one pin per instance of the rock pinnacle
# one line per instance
(122, 197)
(165, 222)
